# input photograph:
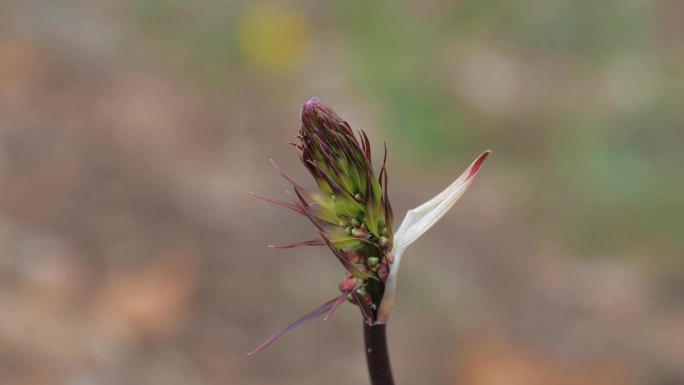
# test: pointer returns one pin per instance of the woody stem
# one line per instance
(377, 355)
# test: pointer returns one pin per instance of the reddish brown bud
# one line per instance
(354, 257)
(383, 272)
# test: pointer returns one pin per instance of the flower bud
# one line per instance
(347, 285)
(359, 233)
(383, 272)
(351, 212)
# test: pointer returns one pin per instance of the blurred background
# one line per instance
(131, 133)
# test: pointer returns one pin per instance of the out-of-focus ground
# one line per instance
(132, 131)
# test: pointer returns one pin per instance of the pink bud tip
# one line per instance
(311, 105)
(312, 102)
(347, 285)
(478, 163)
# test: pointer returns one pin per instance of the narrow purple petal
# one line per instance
(340, 301)
(287, 178)
(317, 312)
(383, 169)
(313, 242)
(366, 148)
(278, 202)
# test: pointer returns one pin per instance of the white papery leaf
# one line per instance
(417, 221)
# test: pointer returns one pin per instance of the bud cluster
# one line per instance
(351, 212)
(353, 216)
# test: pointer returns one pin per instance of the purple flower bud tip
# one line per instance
(314, 112)
(311, 103)
(310, 106)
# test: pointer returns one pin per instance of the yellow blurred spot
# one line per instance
(273, 37)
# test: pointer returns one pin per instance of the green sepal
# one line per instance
(347, 206)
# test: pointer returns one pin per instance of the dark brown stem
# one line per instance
(377, 355)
